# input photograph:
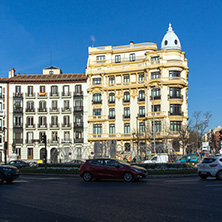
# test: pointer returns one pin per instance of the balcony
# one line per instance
(155, 97)
(66, 126)
(17, 95)
(66, 94)
(29, 141)
(78, 140)
(111, 101)
(111, 117)
(18, 109)
(53, 141)
(78, 108)
(126, 116)
(96, 102)
(66, 110)
(78, 125)
(175, 97)
(175, 113)
(141, 115)
(66, 141)
(42, 110)
(42, 95)
(18, 141)
(30, 110)
(141, 99)
(54, 95)
(17, 126)
(54, 110)
(78, 95)
(42, 126)
(126, 100)
(54, 126)
(30, 95)
(30, 126)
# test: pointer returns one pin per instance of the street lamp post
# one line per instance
(5, 145)
(154, 126)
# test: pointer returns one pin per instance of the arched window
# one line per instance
(97, 98)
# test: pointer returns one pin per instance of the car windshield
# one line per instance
(208, 160)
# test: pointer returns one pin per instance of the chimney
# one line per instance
(9, 74)
(13, 72)
(131, 42)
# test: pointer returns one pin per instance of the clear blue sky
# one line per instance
(30, 29)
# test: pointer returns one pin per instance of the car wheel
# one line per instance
(203, 176)
(219, 175)
(1, 179)
(9, 181)
(87, 176)
(128, 177)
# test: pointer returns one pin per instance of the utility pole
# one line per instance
(43, 139)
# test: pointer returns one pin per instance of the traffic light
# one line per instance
(43, 138)
(220, 135)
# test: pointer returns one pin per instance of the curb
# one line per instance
(77, 176)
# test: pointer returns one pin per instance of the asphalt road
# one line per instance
(64, 199)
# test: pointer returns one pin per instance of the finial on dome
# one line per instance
(170, 27)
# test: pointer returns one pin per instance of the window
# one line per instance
(78, 120)
(54, 136)
(141, 77)
(126, 97)
(30, 90)
(54, 120)
(42, 105)
(156, 93)
(157, 126)
(78, 103)
(175, 125)
(97, 128)
(111, 80)
(127, 128)
(111, 98)
(175, 109)
(0, 139)
(66, 136)
(0, 105)
(54, 91)
(132, 57)
(17, 104)
(112, 113)
(42, 89)
(0, 91)
(174, 73)
(54, 105)
(155, 75)
(156, 108)
(100, 57)
(30, 105)
(126, 112)
(42, 121)
(142, 127)
(142, 111)
(97, 98)
(175, 92)
(17, 90)
(97, 81)
(30, 121)
(112, 129)
(29, 137)
(18, 121)
(1, 124)
(117, 59)
(155, 58)
(126, 79)
(66, 120)
(66, 104)
(97, 112)
(78, 89)
(65, 90)
(141, 95)
(51, 72)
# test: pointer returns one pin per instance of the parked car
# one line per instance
(76, 162)
(191, 158)
(160, 158)
(111, 169)
(18, 163)
(211, 166)
(8, 173)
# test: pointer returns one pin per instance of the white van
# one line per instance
(159, 158)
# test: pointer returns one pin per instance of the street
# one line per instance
(31, 198)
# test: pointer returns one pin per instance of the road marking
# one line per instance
(214, 185)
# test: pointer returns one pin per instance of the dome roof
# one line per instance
(170, 40)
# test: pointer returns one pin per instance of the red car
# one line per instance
(111, 169)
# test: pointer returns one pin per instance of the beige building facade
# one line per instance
(137, 94)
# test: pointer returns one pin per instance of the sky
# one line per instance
(36, 34)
